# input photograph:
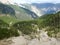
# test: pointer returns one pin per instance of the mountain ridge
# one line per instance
(17, 11)
(44, 8)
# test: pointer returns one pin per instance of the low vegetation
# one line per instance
(28, 27)
(6, 31)
(52, 21)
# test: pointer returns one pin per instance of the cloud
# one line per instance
(31, 1)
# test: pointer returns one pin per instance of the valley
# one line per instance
(29, 26)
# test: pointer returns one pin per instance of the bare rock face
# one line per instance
(37, 11)
(23, 41)
(6, 41)
(19, 41)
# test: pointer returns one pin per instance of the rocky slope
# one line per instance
(22, 40)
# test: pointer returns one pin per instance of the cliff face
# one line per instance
(37, 11)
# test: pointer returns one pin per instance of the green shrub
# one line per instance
(6, 31)
(25, 27)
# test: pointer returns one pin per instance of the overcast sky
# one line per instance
(37, 1)
(32, 1)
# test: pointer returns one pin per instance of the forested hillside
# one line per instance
(50, 22)
(11, 26)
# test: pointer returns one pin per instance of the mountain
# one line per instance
(48, 8)
(5, 9)
(23, 13)
(17, 11)
(43, 8)
(33, 9)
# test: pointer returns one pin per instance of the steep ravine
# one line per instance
(42, 39)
